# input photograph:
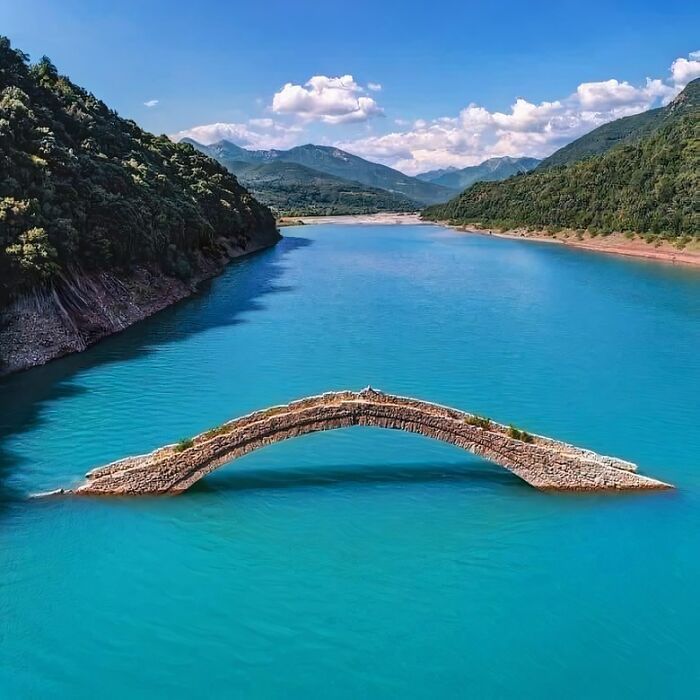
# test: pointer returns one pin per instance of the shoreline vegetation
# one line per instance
(684, 250)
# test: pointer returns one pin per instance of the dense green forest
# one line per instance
(645, 185)
(290, 189)
(606, 137)
(82, 189)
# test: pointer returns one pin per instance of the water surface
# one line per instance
(364, 562)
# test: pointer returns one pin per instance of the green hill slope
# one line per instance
(337, 163)
(292, 189)
(623, 130)
(490, 170)
(82, 189)
(342, 164)
(650, 184)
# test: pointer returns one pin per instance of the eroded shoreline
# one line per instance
(612, 244)
(39, 328)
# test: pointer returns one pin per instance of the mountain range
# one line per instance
(400, 191)
(323, 180)
(491, 169)
(639, 174)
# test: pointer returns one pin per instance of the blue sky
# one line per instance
(223, 63)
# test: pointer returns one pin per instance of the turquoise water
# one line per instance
(365, 563)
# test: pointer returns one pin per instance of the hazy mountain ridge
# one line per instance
(491, 169)
(292, 189)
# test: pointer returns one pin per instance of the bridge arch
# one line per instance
(540, 461)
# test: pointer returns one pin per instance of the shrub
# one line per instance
(479, 421)
(214, 432)
(518, 434)
(184, 444)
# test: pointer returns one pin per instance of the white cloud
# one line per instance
(527, 117)
(330, 100)
(609, 94)
(150, 103)
(255, 134)
(684, 70)
(265, 123)
(471, 136)
(527, 129)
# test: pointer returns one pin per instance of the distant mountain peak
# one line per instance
(498, 168)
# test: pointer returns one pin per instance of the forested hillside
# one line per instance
(82, 189)
(292, 189)
(623, 130)
(647, 185)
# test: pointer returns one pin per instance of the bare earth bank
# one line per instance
(614, 243)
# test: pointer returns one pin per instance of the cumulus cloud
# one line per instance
(684, 70)
(150, 103)
(330, 100)
(526, 129)
(374, 87)
(255, 134)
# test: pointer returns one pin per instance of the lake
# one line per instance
(365, 562)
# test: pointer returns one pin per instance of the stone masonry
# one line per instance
(542, 462)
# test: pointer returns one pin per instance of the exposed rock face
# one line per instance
(544, 463)
(45, 325)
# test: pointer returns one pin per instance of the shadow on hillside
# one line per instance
(245, 284)
(473, 471)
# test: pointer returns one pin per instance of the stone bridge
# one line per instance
(542, 462)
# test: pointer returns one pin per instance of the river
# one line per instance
(365, 562)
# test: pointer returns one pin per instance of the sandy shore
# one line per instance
(381, 218)
(614, 243)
